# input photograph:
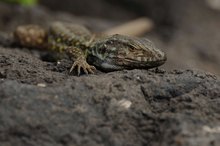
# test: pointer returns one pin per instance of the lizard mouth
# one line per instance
(114, 64)
(138, 64)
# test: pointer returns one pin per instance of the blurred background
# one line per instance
(187, 30)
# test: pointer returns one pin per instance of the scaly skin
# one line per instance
(109, 53)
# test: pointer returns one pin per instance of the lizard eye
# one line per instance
(132, 48)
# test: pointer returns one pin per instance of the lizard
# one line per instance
(108, 53)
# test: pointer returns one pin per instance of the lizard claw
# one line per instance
(84, 65)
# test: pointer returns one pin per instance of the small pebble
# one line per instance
(41, 85)
(125, 103)
(211, 130)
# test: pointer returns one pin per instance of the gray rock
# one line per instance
(41, 104)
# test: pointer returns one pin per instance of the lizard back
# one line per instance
(63, 35)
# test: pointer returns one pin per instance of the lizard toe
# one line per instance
(85, 67)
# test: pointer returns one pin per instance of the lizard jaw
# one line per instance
(134, 62)
(114, 64)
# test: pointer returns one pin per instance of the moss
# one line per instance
(22, 2)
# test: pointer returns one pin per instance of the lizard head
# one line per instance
(118, 52)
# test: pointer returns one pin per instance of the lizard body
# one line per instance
(109, 53)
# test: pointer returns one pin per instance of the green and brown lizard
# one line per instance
(108, 53)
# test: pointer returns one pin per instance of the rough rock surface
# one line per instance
(41, 104)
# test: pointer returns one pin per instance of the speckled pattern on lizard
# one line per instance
(108, 53)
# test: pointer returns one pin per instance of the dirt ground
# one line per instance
(41, 104)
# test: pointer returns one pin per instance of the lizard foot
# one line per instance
(84, 65)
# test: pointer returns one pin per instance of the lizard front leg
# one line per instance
(79, 58)
(75, 53)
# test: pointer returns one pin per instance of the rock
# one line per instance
(136, 107)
